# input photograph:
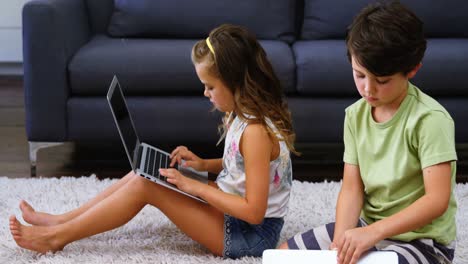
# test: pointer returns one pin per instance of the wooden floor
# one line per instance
(319, 161)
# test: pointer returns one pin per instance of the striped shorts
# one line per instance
(422, 251)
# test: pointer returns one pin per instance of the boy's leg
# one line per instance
(200, 221)
(319, 238)
(44, 219)
(418, 251)
(424, 251)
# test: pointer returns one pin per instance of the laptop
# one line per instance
(144, 158)
(281, 256)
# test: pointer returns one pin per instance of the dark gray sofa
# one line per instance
(72, 48)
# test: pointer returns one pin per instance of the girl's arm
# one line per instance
(256, 147)
(213, 165)
(435, 201)
(350, 201)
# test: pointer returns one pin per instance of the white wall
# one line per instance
(10, 31)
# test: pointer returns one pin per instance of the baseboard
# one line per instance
(11, 69)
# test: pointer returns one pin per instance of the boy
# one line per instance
(400, 159)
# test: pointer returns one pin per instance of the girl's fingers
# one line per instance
(173, 160)
(179, 159)
(174, 155)
(169, 173)
(188, 163)
(171, 180)
(176, 158)
(179, 154)
(173, 176)
(175, 151)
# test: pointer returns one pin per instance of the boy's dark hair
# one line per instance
(386, 38)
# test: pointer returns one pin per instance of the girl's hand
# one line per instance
(183, 183)
(355, 242)
(191, 160)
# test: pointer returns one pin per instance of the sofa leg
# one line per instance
(34, 147)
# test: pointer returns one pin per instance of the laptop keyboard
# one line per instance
(154, 161)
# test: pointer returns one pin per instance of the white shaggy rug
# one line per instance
(150, 237)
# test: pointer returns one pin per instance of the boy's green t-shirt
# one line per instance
(392, 155)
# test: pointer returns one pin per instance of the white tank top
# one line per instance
(232, 178)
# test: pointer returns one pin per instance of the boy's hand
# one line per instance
(355, 242)
(183, 183)
(190, 159)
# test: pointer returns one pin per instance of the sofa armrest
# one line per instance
(53, 30)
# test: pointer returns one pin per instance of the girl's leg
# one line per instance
(45, 219)
(199, 221)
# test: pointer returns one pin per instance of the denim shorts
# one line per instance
(243, 239)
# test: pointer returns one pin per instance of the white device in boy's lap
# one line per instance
(281, 256)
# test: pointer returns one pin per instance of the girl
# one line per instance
(245, 206)
(400, 159)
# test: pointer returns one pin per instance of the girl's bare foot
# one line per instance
(37, 238)
(37, 218)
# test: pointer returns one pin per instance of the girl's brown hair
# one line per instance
(241, 64)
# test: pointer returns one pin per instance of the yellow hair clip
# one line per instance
(208, 43)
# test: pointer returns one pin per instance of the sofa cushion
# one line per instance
(157, 119)
(323, 68)
(318, 120)
(154, 66)
(444, 69)
(269, 19)
(329, 19)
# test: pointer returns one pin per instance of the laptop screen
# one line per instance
(123, 120)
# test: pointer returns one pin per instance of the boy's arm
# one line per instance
(350, 201)
(434, 203)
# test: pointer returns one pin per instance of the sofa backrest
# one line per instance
(269, 19)
(325, 19)
(188, 19)
(99, 12)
